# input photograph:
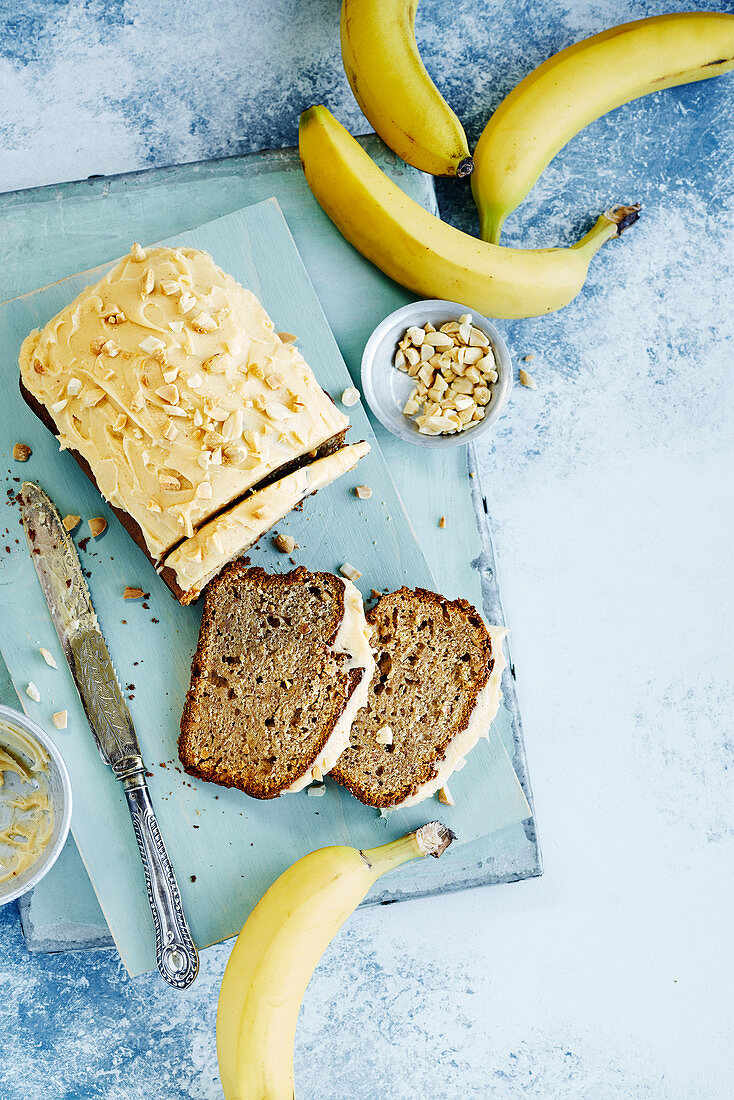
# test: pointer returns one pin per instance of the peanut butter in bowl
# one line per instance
(35, 804)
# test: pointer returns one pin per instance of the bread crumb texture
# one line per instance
(267, 688)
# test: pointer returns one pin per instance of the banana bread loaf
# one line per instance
(168, 383)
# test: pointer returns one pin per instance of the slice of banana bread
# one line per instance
(434, 693)
(282, 666)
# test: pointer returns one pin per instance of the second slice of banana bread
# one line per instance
(434, 693)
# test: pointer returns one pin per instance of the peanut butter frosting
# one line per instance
(354, 638)
(202, 556)
(169, 379)
(26, 812)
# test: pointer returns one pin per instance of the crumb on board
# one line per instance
(48, 657)
(442, 522)
(350, 396)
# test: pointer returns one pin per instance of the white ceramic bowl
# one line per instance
(386, 388)
(60, 792)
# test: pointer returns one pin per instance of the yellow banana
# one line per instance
(395, 92)
(426, 255)
(278, 949)
(578, 85)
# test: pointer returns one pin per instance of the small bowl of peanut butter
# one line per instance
(35, 804)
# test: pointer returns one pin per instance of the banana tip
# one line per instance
(316, 111)
(465, 168)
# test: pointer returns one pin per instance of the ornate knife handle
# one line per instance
(175, 952)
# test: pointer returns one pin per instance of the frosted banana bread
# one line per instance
(282, 666)
(194, 562)
(169, 384)
(434, 693)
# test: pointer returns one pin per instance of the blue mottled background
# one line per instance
(610, 488)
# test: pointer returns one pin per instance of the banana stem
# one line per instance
(431, 839)
(610, 224)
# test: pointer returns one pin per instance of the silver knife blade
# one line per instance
(59, 570)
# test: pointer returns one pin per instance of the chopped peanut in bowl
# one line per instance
(454, 370)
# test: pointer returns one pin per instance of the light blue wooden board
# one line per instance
(44, 227)
(208, 833)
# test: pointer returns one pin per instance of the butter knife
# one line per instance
(57, 564)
